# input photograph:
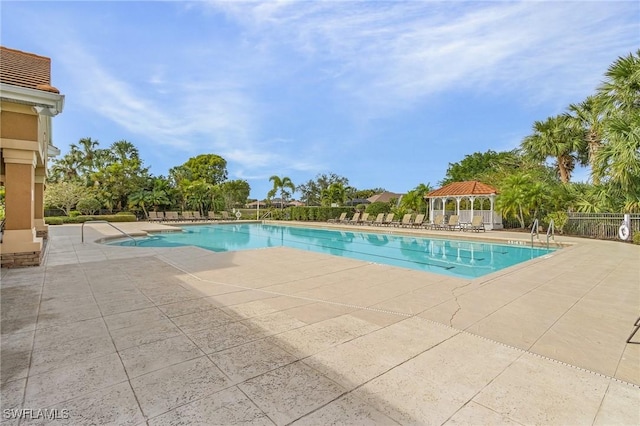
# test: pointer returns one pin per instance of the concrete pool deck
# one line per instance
(127, 335)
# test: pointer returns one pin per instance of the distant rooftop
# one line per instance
(384, 197)
(26, 70)
(471, 187)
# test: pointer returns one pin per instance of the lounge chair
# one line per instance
(197, 217)
(364, 219)
(454, 223)
(211, 215)
(188, 216)
(476, 224)
(388, 220)
(406, 220)
(438, 222)
(171, 216)
(355, 218)
(379, 219)
(418, 221)
(342, 218)
(156, 216)
(225, 215)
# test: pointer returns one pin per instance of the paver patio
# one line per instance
(127, 335)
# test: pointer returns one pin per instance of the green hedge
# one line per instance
(58, 220)
(318, 214)
(378, 207)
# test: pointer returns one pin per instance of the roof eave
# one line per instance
(34, 97)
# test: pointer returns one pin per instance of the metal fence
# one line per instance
(603, 226)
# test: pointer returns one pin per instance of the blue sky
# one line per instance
(383, 93)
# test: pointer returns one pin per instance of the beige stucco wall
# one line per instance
(24, 140)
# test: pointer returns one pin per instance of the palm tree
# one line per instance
(66, 168)
(555, 138)
(334, 193)
(281, 184)
(588, 115)
(140, 199)
(198, 195)
(414, 199)
(88, 153)
(619, 159)
(514, 200)
(621, 89)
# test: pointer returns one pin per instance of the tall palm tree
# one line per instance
(618, 162)
(619, 158)
(66, 168)
(123, 150)
(281, 184)
(555, 138)
(621, 89)
(88, 148)
(588, 115)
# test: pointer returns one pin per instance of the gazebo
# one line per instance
(472, 191)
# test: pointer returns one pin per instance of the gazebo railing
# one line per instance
(465, 216)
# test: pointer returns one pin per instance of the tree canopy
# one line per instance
(475, 166)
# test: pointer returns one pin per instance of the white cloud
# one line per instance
(390, 53)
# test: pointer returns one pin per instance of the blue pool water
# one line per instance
(466, 259)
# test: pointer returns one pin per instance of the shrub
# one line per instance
(81, 219)
(636, 238)
(88, 205)
(53, 220)
(124, 214)
(378, 207)
(560, 220)
(129, 217)
(74, 213)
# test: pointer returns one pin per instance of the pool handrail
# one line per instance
(534, 231)
(135, 243)
(551, 232)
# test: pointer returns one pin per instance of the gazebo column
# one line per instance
(491, 198)
(444, 203)
(431, 207)
(458, 205)
(472, 200)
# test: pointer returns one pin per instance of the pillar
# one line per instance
(20, 245)
(491, 199)
(42, 230)
(431, 207)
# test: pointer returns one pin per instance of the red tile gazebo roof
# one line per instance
(469, 188)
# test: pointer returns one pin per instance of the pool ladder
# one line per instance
(551, 232)
(111, 225)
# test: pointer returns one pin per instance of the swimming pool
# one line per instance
(465, 259)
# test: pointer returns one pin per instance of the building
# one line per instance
(28, 102)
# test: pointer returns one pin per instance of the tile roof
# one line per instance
(463, 188)
(25, 70)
